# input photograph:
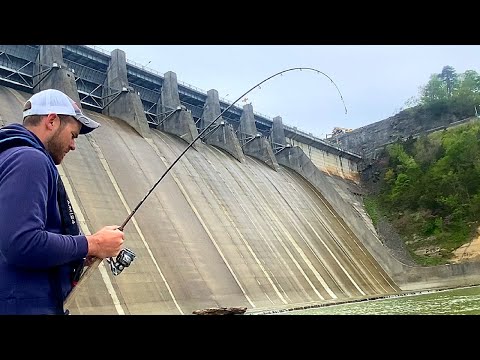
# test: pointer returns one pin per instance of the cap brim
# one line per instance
(88, 124)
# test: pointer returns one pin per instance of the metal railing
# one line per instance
(189, 86)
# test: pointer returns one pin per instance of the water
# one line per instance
(462, 301)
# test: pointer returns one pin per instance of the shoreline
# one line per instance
(316, 305)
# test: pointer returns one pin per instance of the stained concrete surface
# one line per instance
(214, 233)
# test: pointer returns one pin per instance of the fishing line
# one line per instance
(209, 125)
(126, 256)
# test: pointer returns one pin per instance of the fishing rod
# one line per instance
(207, 127)
(126, 256)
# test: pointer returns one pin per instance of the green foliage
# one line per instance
(474, 207)
(449, 77)
(427, 150)
(373, 209)
(436, 203)
(429, 261)
(434, 91)
(469, 86)
(432, 226)
(452, 93)
(430, 190)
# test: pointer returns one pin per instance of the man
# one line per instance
(41, 245)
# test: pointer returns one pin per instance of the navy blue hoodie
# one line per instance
(35, 258)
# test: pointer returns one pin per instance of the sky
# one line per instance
(354, 85)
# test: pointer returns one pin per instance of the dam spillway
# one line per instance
(216, 232)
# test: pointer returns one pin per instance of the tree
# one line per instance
(469, 85)
(450, 79)
(433, 91)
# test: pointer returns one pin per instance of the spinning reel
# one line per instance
(123, 260)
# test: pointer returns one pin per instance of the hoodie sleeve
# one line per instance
(26, 184)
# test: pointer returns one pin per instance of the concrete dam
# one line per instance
(237, 222)
(216, 232)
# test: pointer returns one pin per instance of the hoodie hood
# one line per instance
(14, 135)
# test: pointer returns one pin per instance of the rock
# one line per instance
(221, 311)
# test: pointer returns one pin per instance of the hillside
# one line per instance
(427, 190)
(469, 251)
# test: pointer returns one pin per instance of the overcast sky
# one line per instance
(375, 81)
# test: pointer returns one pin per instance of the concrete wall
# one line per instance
(342, 197)
(175, 119)
(224, 232)
(52, 73)
(331, 164)
(368, 139)
(120, 99)
(222, 136)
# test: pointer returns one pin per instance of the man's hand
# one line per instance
(107, 242)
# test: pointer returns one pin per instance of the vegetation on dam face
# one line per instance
(428, 187)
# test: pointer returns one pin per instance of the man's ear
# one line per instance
(49, 121)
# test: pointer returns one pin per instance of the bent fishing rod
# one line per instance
(126, 256)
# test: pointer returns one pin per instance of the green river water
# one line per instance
(460, 301)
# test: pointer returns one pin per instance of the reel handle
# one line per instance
(123, 260)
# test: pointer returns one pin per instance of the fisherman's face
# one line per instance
(63, 138)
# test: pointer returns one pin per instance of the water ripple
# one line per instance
(446, 302)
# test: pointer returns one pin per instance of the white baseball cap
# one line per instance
(54, 101)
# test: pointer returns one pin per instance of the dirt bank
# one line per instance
(469, 251)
